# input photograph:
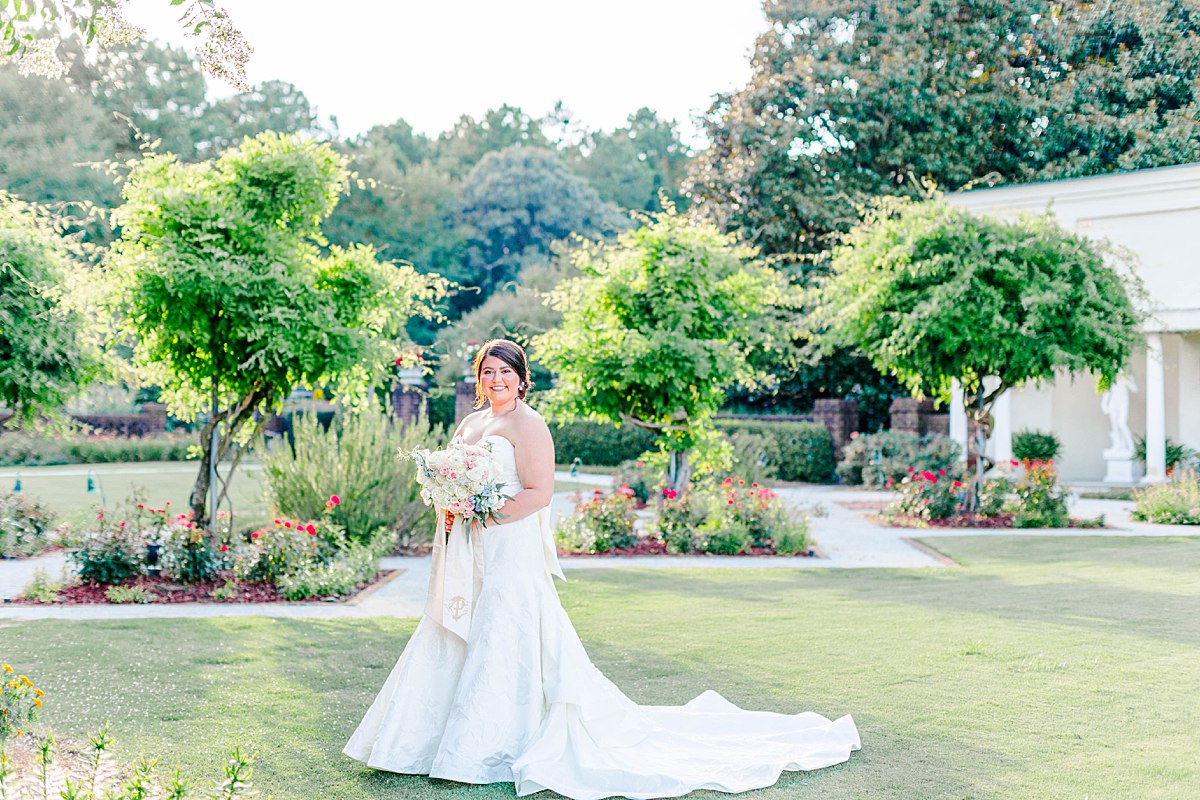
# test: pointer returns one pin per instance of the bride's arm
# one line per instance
(535, 466)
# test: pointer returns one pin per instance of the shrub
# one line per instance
(1041, 501)
(749, 506)
(337, 577)
(286, 547)
(872, 459)
(355, 459)
(805, 448)
(606, 521)
(994, 495)
(598, 444)
(110, 553)
(734, 516)
(1035, 446)
(19, 449)
(756, 456)
(105, 448)
(1179, 456)
(641, 477)
(1176, 502)
(723, 537)
(129, 594)
(25, 526)
(679, 515)
(42, 588)
(114, 549)
(928, 495)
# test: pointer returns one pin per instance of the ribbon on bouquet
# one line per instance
(452, 577)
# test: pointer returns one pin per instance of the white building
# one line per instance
(1155, 214)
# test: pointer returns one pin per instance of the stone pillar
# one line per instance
(840, 417)
(958, 419)
(1156, 411)
(1002, 432)
(410, 402)
(464, 398)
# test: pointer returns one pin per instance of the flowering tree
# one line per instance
(660, 325)
(934, 295)
(220, 283)
(46, 355)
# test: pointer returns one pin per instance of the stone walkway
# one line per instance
(844, 536)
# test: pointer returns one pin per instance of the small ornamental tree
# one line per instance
(221, 285)
(46, 352)
(660, 325)
(933, 294)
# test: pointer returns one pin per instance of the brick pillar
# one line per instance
(840, 417)
(410, 402)
(911, 415)
(464, 398)
(157, 413)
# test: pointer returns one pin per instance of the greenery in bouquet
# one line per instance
(26, 526)
(1176, 502)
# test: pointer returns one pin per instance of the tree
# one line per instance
(516, 204)
(46, 351)
(934, 295)
(635, 165)
(459, 149)
(48, 133)
(220, 282)
(30, 32)
(275, 106)
(660, 325)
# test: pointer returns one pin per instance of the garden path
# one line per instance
(843, 534)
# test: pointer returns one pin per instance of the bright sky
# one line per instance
(369, 62)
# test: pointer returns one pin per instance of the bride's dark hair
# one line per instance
(510, 353)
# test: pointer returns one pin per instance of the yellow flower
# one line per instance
(8, 668)
(25, 680)
(37, 702)
(39, 692)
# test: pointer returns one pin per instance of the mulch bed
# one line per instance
(966, 521)
(168, 593)
(655, 547)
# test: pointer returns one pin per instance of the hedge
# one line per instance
(596, 444)
(805, 448)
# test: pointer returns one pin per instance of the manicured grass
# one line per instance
(1043, 668)
(63, 489)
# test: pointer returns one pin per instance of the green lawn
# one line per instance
(1044, 668)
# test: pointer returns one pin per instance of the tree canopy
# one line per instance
(659, 325)
(220, 280)
(47, 354)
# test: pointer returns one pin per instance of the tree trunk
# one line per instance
(238, 415)
(679, 470)
(979, 411)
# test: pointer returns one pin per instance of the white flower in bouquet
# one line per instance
(462, 478)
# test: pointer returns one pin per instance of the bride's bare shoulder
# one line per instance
(529, 423)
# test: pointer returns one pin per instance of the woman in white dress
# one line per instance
(495, 686)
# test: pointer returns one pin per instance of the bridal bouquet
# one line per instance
(462, 478)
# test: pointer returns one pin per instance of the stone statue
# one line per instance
(1115, 403)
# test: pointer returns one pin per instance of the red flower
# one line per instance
(141, 505)
(287, 524)
(224, 547)
(1015, 462)
(958, 484)
(912, 469)
(333, 498)
(254, 535)
(941, 473)
(641, 463)
(929, 476)
(278, 522)
(312, 529)
(731, 502)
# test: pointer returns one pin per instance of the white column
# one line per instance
(958, 418)
(1002, 432)
(1156, 411)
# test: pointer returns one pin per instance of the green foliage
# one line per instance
(805, 448)
(37, 449)
(601, 523)
(728, 518)
(933, 294)
(46, 351)
(642, 478)
(41, 588)
(755, 455)
(659, 326)
(26, 526)
(129, 594)
(354, 459)
(220, 279)
(110, 553)
(336, 578)
(516, 203)
(849, 100)
(874, 459)
(927, 495)
(1041, 500)
(597, 444)
(1176, 502)
(1035, 446)
(1178, 455)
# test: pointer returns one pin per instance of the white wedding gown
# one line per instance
(496, 686)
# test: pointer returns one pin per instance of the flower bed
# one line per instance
(26, 527)
(728, 518)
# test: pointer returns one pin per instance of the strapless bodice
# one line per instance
(506, 456)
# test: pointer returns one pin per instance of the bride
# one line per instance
(495, 685)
